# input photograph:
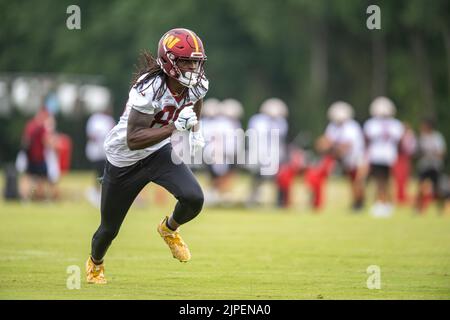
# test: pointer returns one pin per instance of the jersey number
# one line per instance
(166, 115)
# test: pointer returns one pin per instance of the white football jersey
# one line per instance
(431, 146)
(263, 126)
(165, 111)
(97, 128)
(348, 133)
(383, 136)
(221, 137)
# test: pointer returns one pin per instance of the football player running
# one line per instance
(166, 95)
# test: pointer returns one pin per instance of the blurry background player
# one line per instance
(97, 128)
(212, 154)
(166, 95)
(44, 157)
(293, 165)
(272, 116)
(52, 158)
(383, 133)
(220, 125)
(401, 170)
(432, 150)
(232, 112)
(37, 138)
(444, 189)
(34, 141)
(344, 141)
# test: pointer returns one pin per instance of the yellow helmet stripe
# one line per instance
(195, 40)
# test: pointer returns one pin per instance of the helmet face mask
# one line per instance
(190, 71)
(178, 51)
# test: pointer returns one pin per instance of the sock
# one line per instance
(96, 262)
(168, 226)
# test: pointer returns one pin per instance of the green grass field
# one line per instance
(237, 253)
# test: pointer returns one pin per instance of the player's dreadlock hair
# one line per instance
(147, 65)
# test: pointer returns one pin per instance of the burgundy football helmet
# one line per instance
(182, 44)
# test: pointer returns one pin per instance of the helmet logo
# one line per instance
(170, 41)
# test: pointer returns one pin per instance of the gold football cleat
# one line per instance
(173, 239)
(95, 273)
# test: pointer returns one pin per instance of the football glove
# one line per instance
(196, 141)
(186, 119)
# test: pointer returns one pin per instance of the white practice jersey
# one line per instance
(348, 133)
(264, 125)
(97, 128)
(220, 134)
(165, 111)
(432, 147)
(383, 136)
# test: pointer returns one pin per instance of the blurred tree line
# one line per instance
(309, 53)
